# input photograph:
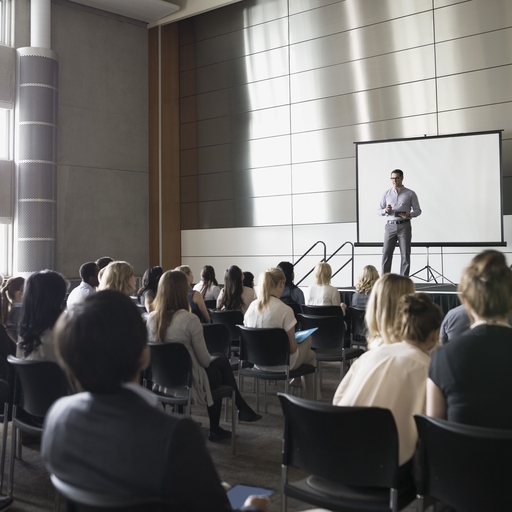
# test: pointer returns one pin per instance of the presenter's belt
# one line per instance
(399, 221)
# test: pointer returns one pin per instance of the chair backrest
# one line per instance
(217, 338)
(171, 365)
(349, 445)
(210, 303)
(468, 468)
(357, 323)
(330, 334)
(42, 383)
(322, 310)
(230, 319)
(264, 347)
(81, 500)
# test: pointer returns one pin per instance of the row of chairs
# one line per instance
(350, 456)
(350, 453)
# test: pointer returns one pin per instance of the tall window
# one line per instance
(5, 222)
(3, 22)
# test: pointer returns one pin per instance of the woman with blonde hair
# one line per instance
(269, 311)
(322, 293)
(118, 275)
(12, 296)
(235, 296)
(381, 311)
(395, 376)
(172, 322)
(364, 286)
(469, 379)
(195, 299)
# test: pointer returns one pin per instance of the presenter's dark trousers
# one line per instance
(403, 233)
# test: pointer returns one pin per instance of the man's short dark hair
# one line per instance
(398, 171)
(100, 341)
(88, 270)
(104, 261)
(287, 269)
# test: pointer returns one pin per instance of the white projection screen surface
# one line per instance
(457, 180)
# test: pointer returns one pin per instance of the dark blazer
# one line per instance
(119, 444)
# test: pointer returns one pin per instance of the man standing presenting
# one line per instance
(399, 205)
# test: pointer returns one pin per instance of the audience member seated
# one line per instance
(111, 438)
(12, 296)
(322, 293)
(292, 293)
(89, 275)
(382, 307)
(364, 286)
(395, 376)
(43, 303)
(235, 296)
(208, 287)
(195, 299)
(455, 323)
(147, 292)
(171, 321)
(269, 311)
(102, 264)
(248, 279)
(469, 379)
(119, 276)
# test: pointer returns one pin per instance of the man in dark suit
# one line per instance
(111, 439)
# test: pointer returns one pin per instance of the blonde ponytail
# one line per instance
(269, 280)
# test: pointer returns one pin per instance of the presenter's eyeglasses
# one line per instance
(396, 178)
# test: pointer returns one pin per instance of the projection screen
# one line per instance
(457, 179)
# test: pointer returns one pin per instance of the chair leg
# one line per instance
(234, 416)
(265, 394)
(284, 479)
(257, 381)
(13, 453)
(4, 445)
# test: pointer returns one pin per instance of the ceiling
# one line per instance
(156, 12)
(149, 11)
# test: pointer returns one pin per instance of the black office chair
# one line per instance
(358, 329)
(42, 383)
(328, 340)
(230, 319)
(210, 304)
(267, 347)
(322, 310)
(465, 467)
(171, 372)
(349, 453)
(81, 500)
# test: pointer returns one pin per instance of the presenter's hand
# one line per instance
(405, 215)
(388, 208)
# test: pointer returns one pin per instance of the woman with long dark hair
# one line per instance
(208, 287)
(235, 296)
(172, 322)
(147, 292)
(43, 303)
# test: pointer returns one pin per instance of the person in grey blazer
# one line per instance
(111, 438)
